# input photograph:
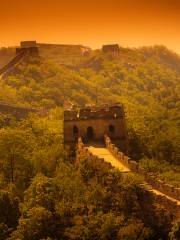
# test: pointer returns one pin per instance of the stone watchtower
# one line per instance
(29, 47)
(93, 123)
(113, 48)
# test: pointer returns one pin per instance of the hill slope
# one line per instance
(146, 80)
(43, 194)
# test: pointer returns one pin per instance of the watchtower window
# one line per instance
(90, 133)
(111, 129)
(75, 131)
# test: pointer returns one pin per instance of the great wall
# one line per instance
(27, 48)
(162, 193)
(94, 129)
(17, 112)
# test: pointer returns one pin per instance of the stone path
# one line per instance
(103, 152)
(108, 157)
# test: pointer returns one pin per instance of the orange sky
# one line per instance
(91, 22)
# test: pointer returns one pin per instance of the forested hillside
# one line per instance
(82, 202)
(146, 80)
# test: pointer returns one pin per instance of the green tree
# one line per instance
(134, 230)
(38, 224)
(175, 231)
(9, 213)
(16, 147)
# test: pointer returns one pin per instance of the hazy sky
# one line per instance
(91, 22)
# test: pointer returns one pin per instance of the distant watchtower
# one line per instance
(92, 123)
(29, 47)
(111, 48)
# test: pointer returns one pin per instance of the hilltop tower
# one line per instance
(29, 47)
(114, 48)
(93, 123)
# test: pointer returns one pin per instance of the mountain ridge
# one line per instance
(159, 52)
(146, 82)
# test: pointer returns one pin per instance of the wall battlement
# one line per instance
(95, 112)
(28, 44)
(158, 184)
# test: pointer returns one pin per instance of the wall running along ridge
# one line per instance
(26, 48)
(149, 178)
(17, 112)
(12, 63)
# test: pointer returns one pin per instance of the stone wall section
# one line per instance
(12, 63)
(27, 48)
(172, 206)
(156, 183)
(17, 112)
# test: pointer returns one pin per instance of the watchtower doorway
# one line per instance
(75, 133)
(111, 129)
(90, 133)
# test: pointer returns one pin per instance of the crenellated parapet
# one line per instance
(156, 183)
(95, 112)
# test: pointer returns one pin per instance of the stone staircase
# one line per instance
(12, 63)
